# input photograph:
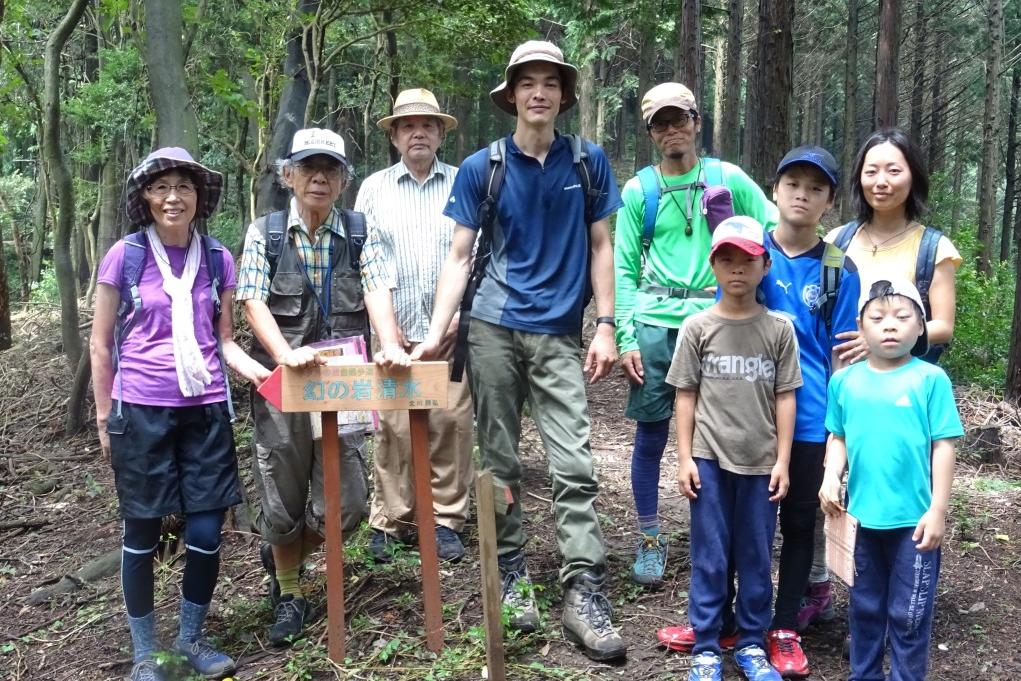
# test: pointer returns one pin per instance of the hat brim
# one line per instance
(782, 168)
(746, 245)
(667, 105)
(137, 209)
(449, 122)
(306, 153)
(568, 85)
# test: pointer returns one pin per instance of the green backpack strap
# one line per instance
(831, 266)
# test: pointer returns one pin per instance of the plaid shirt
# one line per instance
(253, 275)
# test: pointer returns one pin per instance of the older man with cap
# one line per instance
(408, 240)
(662, 277)
(299, 282)
(550, 240)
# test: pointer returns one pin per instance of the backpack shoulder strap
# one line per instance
(136, 247)
(579, 156)
(831, 266)
(273, 228)
(713, 171)
(214, 253)
(845, 233)
(357, 231)
(649, 181)
(497, 171)
(925, 264)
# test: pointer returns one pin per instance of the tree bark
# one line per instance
(5, 295)
(1010, 168)
(393, 60)
(1013, 387)
(40, 217)
(718, 86)
(959, 163)
(990, 136)
(290, 115)
(936, 152)
(752, 97)
(689, 49)
(918, 73)
(887, 63)
(730, 123)
(57, 165)
(773, 85)
(646, 64)
(176, 124)
(587, 103)
(850, 142)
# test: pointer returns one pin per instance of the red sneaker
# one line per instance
(786, 655)
(682, 639)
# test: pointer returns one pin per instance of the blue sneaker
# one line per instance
(204, 658)
(706, 667)
(650, 560)
(752, 662)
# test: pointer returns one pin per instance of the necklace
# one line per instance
(687, 215)
(875, 245)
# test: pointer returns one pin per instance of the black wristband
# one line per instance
(605, 320)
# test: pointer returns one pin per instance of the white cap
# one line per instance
(312, 141)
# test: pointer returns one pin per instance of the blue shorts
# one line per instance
(173, 459)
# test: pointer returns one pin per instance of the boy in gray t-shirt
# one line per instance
(735, 369)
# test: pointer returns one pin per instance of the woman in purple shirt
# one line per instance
(159, 344)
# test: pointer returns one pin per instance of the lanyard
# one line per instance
(327, 287)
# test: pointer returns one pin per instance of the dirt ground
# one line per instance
(58, 513)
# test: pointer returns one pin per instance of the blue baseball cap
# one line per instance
(815, 156)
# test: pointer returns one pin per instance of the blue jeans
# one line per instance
(892, 597)
(734, 517)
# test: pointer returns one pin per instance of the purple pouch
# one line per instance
(717, 205)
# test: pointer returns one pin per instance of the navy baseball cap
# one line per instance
(812, 155)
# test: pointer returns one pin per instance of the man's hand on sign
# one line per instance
(427, 349)
(301, 358)
(602, 353)
(391, 355)
(631, 365)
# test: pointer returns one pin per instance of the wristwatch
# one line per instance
(605, 320)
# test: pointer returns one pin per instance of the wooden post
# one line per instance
(422, 472)
(334, 539)
(492, 607)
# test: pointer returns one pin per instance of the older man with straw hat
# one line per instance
(408, 240)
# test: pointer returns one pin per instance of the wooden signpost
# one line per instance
(342, 385)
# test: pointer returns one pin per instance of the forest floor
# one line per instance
(58, 513)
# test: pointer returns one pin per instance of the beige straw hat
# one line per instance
(537, 50)
(417, 102)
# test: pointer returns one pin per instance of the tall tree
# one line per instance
(887, 63)
(918, 34)
(646, 65)
(56, 164)
(5, 294)
(850, 142)
(730, 123)
(689, 48)
(773, 85)
(1010, 168)
(176, 124)
(990, 136)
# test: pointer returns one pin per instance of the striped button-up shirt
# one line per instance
(253, 274)
(408, 239)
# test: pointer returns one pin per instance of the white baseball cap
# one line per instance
(887, 286)
(742, 231)
(311, 141)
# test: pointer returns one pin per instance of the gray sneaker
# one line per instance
(518, 596)
(146, 670)
(587, 615)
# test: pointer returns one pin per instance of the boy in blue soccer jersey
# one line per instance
(894, 421)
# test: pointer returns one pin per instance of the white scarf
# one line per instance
(192, 375)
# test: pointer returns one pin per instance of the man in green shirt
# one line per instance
(662, 280)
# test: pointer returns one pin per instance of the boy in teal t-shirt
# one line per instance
(893, 420)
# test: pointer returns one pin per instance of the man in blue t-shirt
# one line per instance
(524, 341)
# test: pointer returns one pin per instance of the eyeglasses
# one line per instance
(162, 189)
(679, 121)
(332, 171)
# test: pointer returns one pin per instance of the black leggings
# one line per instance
(202, 553)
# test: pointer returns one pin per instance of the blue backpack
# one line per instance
(649, 180)
(136, 246)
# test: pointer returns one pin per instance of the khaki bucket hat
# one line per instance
(537, 50)
(664, 95)
(417, 102)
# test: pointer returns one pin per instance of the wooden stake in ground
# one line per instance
(491, 587)
(346, 386)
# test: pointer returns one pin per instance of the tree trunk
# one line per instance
(990, 136)
(718, 85)
(646, 64)
(850, 142)
(689, 49)
(1010, 168)
(40, 217)
(752, 98)
(587, 101)
(936, 152)
(1013, 387)
(176, 124)
(23, 257)
(887, 63)
(918, 73)
(393, 60)
(600, 104)
(5, 294)
(730, 123)
(290, 116)
(57, 165)
(773, 85)
(959, 163)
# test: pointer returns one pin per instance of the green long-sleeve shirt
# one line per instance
(674, 259)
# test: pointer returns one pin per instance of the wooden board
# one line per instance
(492, 605)
(422, 474)
(334, 540)
(360, 386)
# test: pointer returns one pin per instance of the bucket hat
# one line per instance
(417, 102)
(158, 162)
(664, 95)
(531, 51)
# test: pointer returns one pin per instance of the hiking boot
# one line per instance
(449, 548)
(752, 662)
(706, 667)
(517, 595)
(270, 566)
(816, 606)
(204, 658)
(146, 670)
(291, 613)
(786, 655)
(650, 560)
(682, 639)
(587, 615)
(382, 546)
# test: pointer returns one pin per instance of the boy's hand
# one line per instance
(687, 478)
(829, 496)
(779, 481)
(929, 530)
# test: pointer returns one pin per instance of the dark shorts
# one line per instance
(805, 472)
(173, 459)
(654, 399)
